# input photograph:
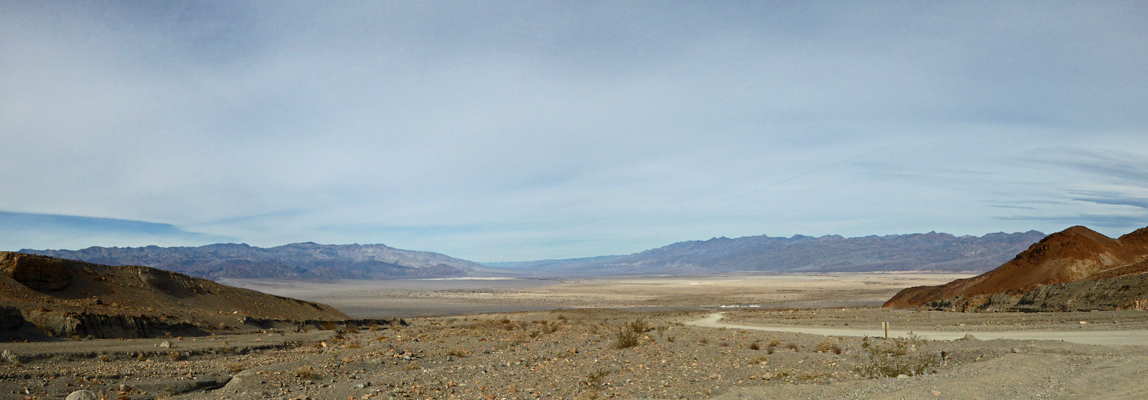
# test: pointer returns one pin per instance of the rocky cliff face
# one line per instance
(1073, 255)
(66, 298)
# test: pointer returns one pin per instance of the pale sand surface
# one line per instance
(412, 298)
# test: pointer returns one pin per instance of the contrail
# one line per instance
(811, 171)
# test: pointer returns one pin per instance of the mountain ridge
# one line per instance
(306, 260)
(831, 253)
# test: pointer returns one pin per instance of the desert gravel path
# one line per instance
(1136, 337)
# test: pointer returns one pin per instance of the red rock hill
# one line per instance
(1075, 254)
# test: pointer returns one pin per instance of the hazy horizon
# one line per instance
(537, 130)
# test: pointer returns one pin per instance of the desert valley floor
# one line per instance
(724, 337)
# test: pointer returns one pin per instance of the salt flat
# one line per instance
(443, 297)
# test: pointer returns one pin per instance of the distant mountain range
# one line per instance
(292, 261)
(914, 252)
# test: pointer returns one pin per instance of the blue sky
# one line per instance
(503, 131)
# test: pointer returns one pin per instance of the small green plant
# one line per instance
(625, 338)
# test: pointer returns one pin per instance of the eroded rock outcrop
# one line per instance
(1073, 255)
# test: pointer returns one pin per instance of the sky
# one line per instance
(518, 130)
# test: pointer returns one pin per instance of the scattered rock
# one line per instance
(82, 395)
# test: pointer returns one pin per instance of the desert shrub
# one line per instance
(175, 355)
(774, 343)
(595, 379)
(793, 346)
(235, 367)
(411, 367)
(329, 325)
(754, 346)
(306, 373)
(828, 346)
(457, 353)
(534, 334)
(899, 356)
(671, 339)
(549, 328)
(639, 326)
(723, 344)
(351, 328)
(625, 338)
(704, 341)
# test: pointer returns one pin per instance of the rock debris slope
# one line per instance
(1074, 269)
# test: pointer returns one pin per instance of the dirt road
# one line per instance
(1099, 337)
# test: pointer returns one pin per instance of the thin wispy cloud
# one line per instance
(501, 131)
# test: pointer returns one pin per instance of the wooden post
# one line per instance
(886, 326)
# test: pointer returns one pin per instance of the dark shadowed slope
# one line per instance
(66, 297)
(1075, 254)
(915, 252)
(292, 261)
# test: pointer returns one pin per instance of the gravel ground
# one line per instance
(573, 354)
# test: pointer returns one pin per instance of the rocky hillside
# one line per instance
(65, 298)
(915, 252)
(292, 261)
(1049, 275)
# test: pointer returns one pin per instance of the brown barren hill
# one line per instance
(1075, 254)
(65, 298)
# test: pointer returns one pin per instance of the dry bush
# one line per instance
(306, 373)
(899, 356)
(639, 326)
(235, 367)
(351, 328)
(704, 341)
(329, 325)
(625, 338)
(457, 353)
(793, 346)
(549, 328)
(411, 367)
(828, 346)
(595, 379)
(754, 346)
